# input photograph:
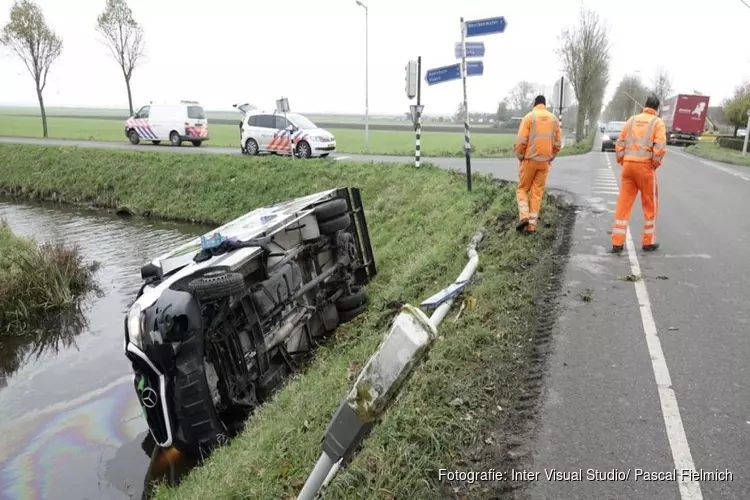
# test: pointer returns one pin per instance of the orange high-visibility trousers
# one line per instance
(637, 177)
(532, 176)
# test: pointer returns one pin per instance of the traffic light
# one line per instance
(411, 79)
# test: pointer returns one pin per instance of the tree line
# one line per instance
(631, 94)
(29, 37)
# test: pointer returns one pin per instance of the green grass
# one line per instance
(714, 152)
(38, 283)
(382, 142)
(420, 222)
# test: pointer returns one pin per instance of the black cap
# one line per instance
(540, 100)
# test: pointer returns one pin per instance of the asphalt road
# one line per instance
(649, 375)
(652, 375)
(504, 168)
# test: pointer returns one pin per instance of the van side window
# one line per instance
(143, 112)
(266, 121)
(281, 123)
(253, 121)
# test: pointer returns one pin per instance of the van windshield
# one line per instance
(196, 113)
(301, 121)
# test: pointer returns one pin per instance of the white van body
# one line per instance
(274, 132)
(173, 122)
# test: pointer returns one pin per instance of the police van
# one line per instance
(278, 132)
(173, 122)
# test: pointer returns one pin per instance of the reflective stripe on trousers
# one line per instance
(533, 136)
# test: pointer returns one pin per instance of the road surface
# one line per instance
(649, 375)
(504, 168)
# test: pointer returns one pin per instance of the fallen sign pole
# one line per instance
(411, 337)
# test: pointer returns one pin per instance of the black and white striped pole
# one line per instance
(418, 151)
(467, 135)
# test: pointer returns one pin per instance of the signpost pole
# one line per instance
(562, 90)
(747, 132)
(467, 137)
(418, 152)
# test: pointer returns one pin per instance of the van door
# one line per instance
(266, 132)
(283, 141)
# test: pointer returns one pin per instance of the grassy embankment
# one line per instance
(382, 142)
(420, 222)
(712, 151)
(38, 283)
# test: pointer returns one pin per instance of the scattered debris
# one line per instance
(587, 295)
(672, 328)
(456, 402)
(631, 277)
(662, 277)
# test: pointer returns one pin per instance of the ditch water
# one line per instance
(70, 424)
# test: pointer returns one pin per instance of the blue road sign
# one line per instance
(487, 26)
(474, 68)
(473, 49)
(443, 74)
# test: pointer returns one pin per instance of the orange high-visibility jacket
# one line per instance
(643, 139)
(538, 135)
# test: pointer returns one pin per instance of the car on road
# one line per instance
(609, 135)
(280, 133)
(222, 321)
(173, 122)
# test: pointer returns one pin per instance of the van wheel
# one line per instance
(174, 139)
(251, 147)
(133, 137)
(303, 149)
(156, 143)
(197, 144)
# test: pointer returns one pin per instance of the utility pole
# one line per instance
(747, 132)
(367, 77)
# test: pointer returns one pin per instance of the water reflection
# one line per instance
(70, 424)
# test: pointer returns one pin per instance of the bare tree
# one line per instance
(521, 98)
(661, 85)
(124, 38)
(585, 56)
(29, 37)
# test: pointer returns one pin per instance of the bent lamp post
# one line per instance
(411, 337)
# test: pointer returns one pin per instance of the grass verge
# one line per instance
(581, 147)
(420, 222)
(38, 283)
(712, 151)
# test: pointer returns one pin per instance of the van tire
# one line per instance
(197, 144)
(133, 137)
(303, 149)
(251, 147)
(333, 226)
(174, 139)
(156, 143)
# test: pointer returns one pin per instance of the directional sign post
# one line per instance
(469, 29)
(473, 49)
(475, 68)
(443, 74)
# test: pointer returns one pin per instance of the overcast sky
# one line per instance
(313, 52)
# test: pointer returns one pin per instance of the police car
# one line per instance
(173, 122)
(276, 132)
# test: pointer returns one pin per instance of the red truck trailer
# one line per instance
(684, 116)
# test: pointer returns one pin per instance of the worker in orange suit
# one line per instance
(640, 150)
(537, 145)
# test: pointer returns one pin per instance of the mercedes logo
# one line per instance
(149, 397)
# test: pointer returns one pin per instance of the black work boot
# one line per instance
(650, 248)
(616, 249)
(522, 225)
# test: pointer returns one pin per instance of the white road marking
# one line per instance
(712, 164)
(341, 158)
(683, 459)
